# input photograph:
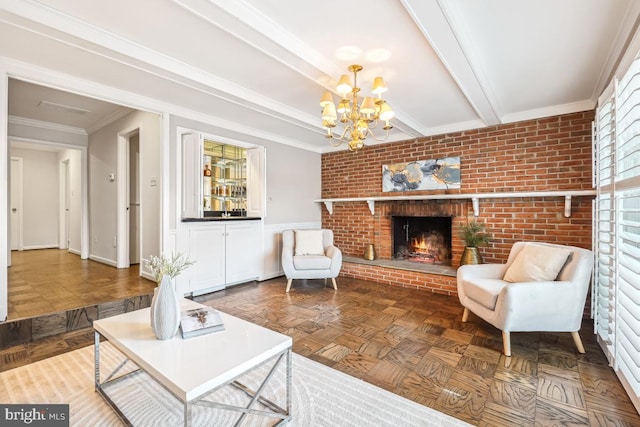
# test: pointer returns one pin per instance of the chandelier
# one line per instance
(358, 121)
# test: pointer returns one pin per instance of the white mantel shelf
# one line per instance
(474, 197)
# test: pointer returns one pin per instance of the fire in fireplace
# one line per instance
(422, 239)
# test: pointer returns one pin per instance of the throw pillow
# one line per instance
(536, 263)
(309, 242)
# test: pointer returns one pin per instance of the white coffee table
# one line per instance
(193, 368)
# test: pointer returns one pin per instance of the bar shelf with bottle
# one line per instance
(224, 182)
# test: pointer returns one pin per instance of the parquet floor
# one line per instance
(412, 343)
(49, 280)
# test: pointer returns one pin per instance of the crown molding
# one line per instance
(622, 51)
(120, 112)
(43, 76)
(69, 30)
(456, 127)
(21, 121)
(555, 110)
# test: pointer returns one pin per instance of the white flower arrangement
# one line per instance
(171, 266)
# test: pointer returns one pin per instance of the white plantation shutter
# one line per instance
(628, 340)
(605, 270)
(617, 227)
(627, 117)
(605, 225)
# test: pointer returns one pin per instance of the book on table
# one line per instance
(199, 321)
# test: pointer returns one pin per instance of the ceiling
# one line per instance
(257, 68)
(29, 103)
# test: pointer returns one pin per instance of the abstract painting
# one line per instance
(436, 174)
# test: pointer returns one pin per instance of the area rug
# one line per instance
(321, 396)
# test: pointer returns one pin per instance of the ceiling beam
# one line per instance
(434, 21)
(263, 34)
(74, 32)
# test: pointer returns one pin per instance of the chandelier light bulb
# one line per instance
(327, 98)
(368, 106)
(386, 113)
(379, 87)
(344, 85)
(344, 107)
(328, 124)
(329, 113)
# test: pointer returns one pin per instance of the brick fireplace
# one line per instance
(551, 154)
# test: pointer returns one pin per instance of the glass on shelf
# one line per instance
(226, 183)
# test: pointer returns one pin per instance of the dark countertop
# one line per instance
(221, 218)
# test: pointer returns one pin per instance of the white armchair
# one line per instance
(542, 287)
(310, 254)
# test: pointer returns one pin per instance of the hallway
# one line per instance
(46, 281)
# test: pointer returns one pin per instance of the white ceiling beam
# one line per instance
(72, 31)
(275, 41)
(433, 21)
(74, 84)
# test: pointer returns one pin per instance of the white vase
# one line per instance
(165, 310)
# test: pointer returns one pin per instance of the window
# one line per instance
(617, 229)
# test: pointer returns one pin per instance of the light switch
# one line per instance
(112, 177)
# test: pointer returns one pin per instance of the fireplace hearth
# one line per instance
(424, 240)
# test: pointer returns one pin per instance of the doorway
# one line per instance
(16, 202)
(65, 205)
(128, 200)
(134, 199)
(94, 129)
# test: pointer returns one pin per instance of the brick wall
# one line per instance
(549, 154)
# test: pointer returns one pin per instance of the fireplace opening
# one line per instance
(422, 239)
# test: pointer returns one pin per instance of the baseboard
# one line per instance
(75, 252)
(34, 247)
(271, 276)
(96, 258)
(148, 276)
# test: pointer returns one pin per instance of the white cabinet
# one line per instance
(241, 252)
(207, 249)
(225, 254)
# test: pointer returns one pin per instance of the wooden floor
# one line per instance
(412, 343)
(51, 280)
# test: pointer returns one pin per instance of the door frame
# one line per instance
(122, 202)
(64, 204)
(20, 216)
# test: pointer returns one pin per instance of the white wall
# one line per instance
(103, 192)
(40, 195)
(74, 159)
(293, 182)
(31, 129)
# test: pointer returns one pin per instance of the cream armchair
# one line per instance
(310, 254)
(542, 287)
